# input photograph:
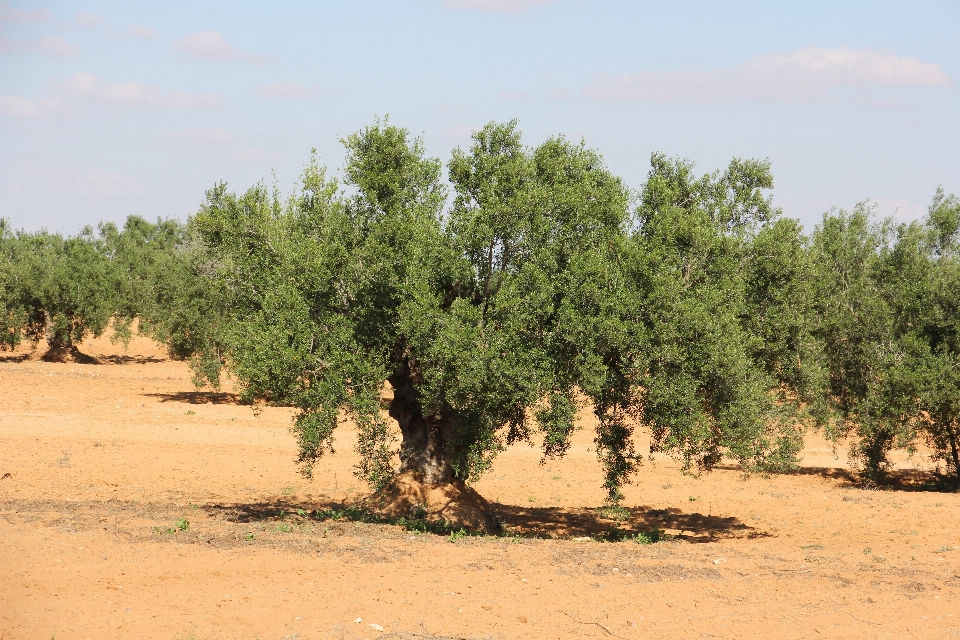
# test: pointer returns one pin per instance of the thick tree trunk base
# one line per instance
(68, 354)
(453, 503)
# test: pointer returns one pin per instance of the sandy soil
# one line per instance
(101, 462)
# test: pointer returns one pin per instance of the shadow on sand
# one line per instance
(197, 397)
(894, 480)
(523, 522)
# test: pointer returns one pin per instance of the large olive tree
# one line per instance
(498, 310)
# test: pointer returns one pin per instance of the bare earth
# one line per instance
(99, 462)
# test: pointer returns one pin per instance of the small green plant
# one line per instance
(650, 537)
(283, 527)
(457, 535)
(301, 513)
(532, 499)
(194, 505)
(555, 478)
(620, 514)
(191, 413)
(945, 549)
(867, 551)
(250, 537)
(288, 491)
(180, 525)
(693, 498)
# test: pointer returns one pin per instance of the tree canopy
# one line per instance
(518, 286)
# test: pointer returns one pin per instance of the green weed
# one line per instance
(650, 537)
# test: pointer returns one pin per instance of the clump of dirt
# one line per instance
(68, 354)
(453, 503)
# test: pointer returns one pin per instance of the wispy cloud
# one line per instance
(200, 136)
(220, 144)
(212, 46)
(459, 132)
(288, 90)
(139, 32)
(47, 45)
(802, 75)
(86, 86)
(21, 107)
(496, 6)
(67, 180)
(89, 20)
(9, 14)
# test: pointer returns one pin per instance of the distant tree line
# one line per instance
(529, 283)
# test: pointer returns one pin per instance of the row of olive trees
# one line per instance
(528, 284)
(65, 289)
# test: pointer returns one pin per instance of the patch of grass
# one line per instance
(867, 551)
(180, 525)
(532, 499)
(283, 527)
(618, 513)
(249, 537)
(944, 549)
(555, 478)
(458, 535)
(191, 413)
(288, 491)
(650, 537)
(301, 513)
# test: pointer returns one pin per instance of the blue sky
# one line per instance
(113, 108)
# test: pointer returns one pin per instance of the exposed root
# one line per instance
(453, 502)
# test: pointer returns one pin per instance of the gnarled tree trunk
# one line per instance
(426, 485)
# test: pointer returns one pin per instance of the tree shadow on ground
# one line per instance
(14, 357)
(523, 522)
(197, 397)
(894, 480)
(563, 522)
(125, 359)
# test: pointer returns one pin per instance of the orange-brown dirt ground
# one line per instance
(100, 461)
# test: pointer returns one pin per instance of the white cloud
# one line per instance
(293, 90)
(900, 209)
(498, 6)
(805, 74)
(86, 86)
(9, 14)
(48, 45)
(82, 182)
(87, 19)
(219, 145)
(201, 136)
(211, 46)
(249, 153)
(21, 107)
(140, 32)
(458, 132)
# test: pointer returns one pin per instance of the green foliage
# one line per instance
(890, 326)
(650, 537)
(65, 289)
(529, 286)
(707, 263)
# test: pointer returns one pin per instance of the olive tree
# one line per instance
(498, 310)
